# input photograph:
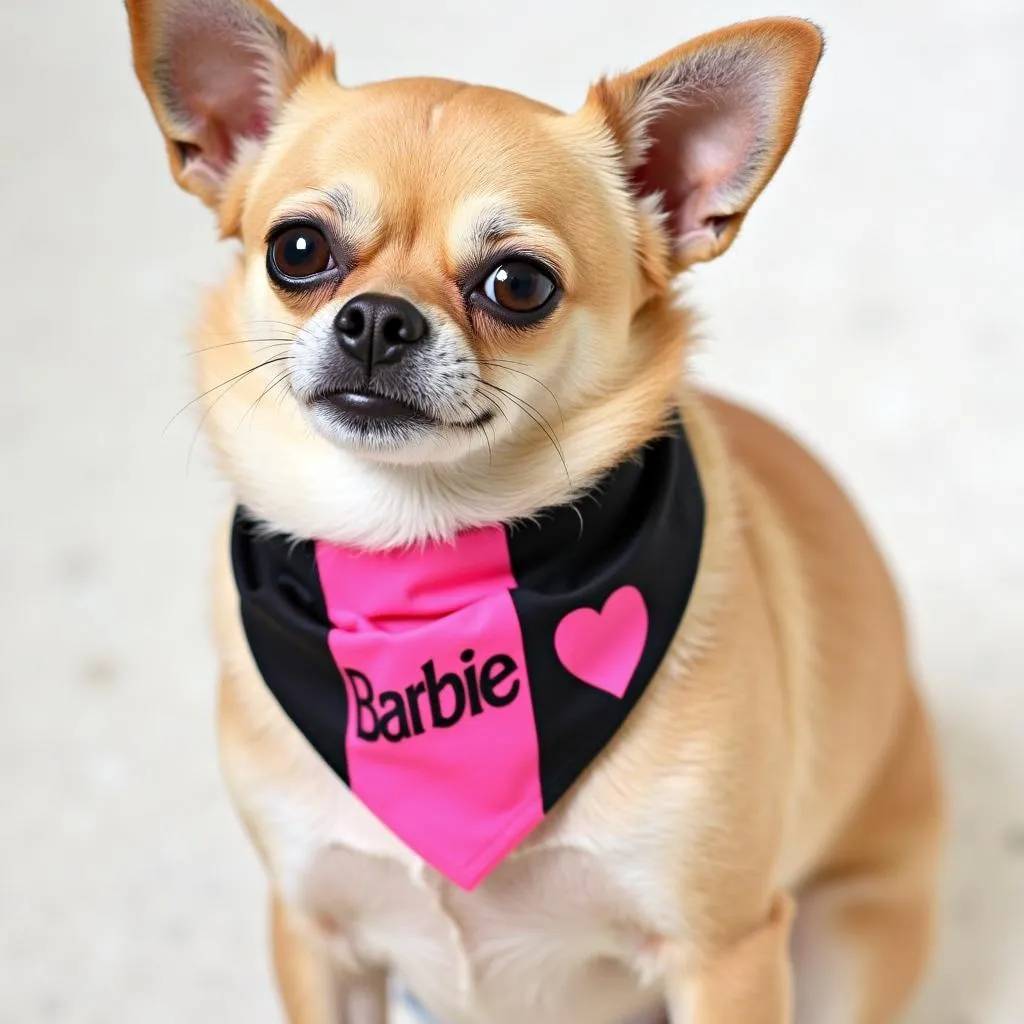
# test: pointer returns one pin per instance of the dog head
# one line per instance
(452, 305)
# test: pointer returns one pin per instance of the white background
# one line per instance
(871, 303)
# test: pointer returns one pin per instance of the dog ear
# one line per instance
(216, 73)
(702, 129)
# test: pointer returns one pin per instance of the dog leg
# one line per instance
(746, 983)
(315, 989)
(858, 956)
(863, 927)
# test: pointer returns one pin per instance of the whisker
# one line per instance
(258, 325)
(482, 426)
(503, 364)
(292, 333)
(274, 323)
(262, 342)
(497, 405)
(525, 406)
(279, 379)
(228, 384)
(537, 418)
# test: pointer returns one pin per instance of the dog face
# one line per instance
(442, 278)
(450, 299)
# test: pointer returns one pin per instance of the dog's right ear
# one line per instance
(216, 73)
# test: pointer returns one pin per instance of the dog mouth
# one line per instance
(362, 409)
(366, 407)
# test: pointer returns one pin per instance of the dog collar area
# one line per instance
(459, 689)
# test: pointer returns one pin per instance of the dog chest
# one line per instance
(551, 934)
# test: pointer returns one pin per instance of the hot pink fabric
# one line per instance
(461, 795)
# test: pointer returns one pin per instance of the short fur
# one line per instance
(780, 760)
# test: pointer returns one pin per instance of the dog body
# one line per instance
(647, 869)
(523, 259)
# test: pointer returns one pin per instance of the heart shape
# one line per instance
(603, 648)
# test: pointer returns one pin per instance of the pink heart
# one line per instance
(604, 648)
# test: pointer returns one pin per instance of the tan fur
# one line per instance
(779, 764)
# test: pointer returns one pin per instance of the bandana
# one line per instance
(459, 689)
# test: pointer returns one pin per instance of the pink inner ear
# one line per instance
(703, 154)
(220, 83)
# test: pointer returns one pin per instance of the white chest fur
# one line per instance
(567, 927)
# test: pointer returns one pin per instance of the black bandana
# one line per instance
(460, 689)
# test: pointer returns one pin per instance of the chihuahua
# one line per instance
(552, 687)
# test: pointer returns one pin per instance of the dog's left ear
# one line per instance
(702, 129)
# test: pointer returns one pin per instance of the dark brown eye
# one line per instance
(298, 253)
(519, 287)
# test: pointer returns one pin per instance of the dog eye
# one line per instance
(298, 253)
(519, 287)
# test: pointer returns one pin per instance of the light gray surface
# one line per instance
(870, 303)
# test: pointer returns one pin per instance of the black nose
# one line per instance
(378, 329)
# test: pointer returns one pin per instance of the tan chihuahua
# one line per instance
(551, 687)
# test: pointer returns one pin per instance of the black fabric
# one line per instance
(286, 624)
(642, 526)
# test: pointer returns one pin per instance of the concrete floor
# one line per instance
(869, 304)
